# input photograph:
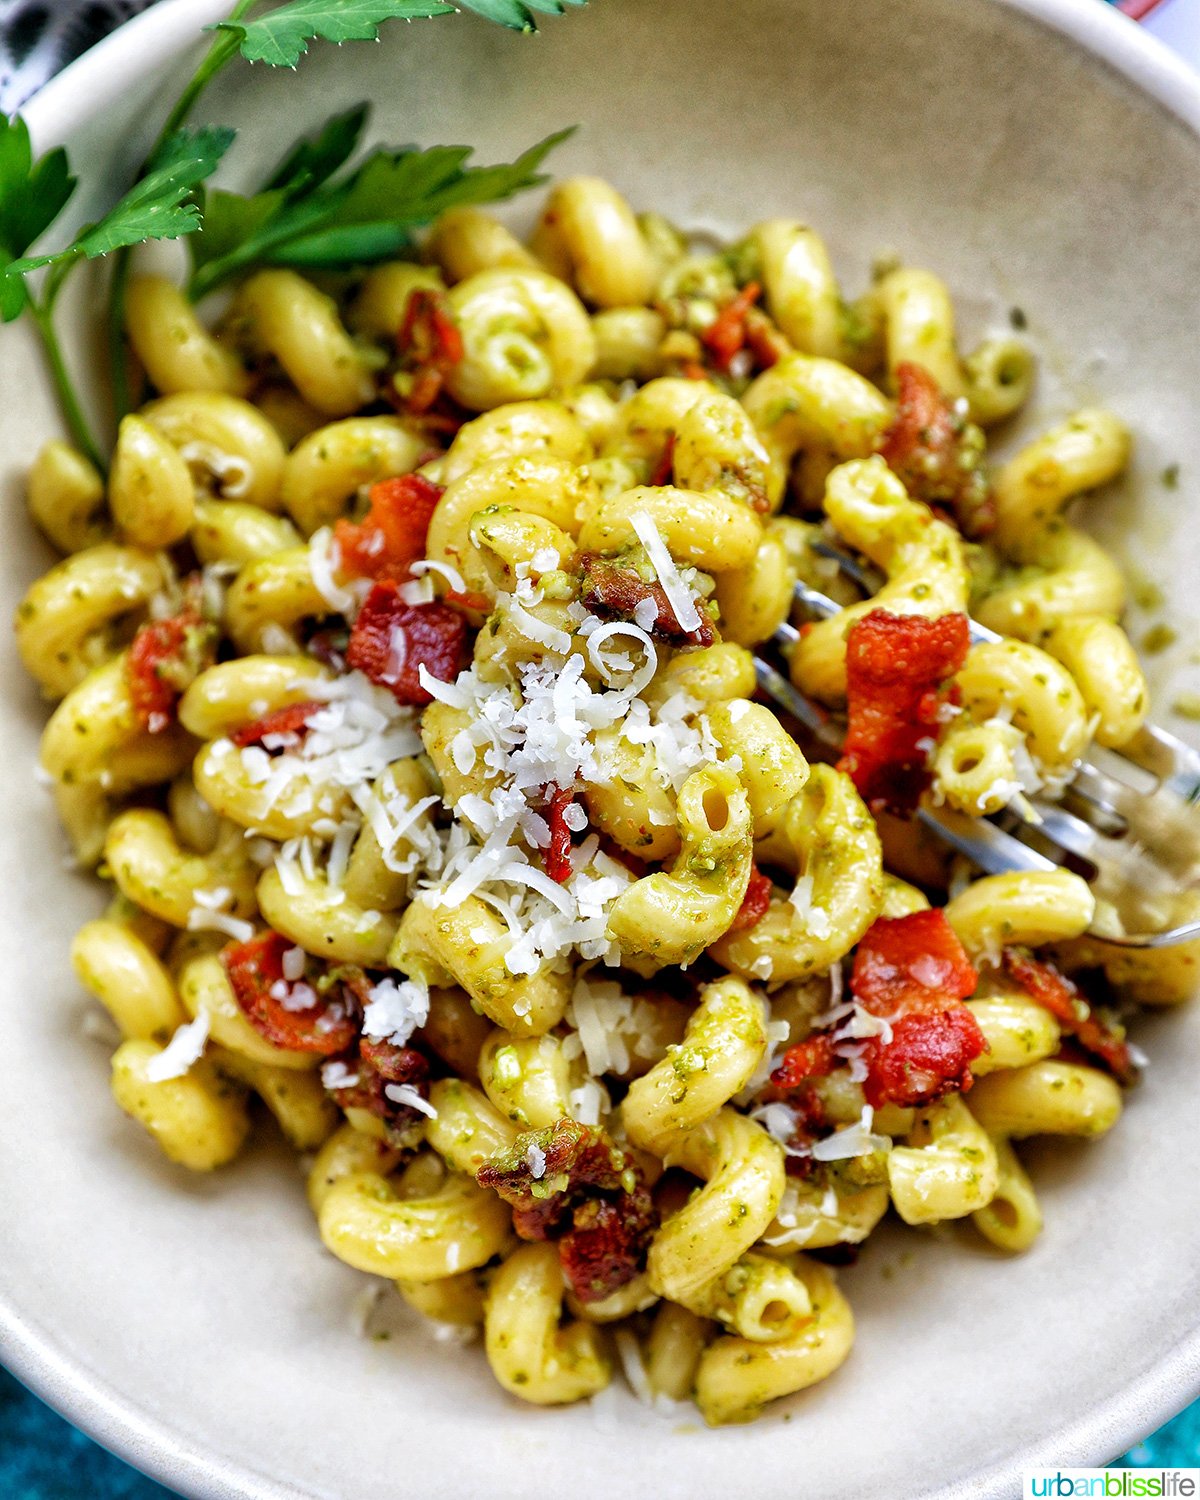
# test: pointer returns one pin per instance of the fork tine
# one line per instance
(988, 846)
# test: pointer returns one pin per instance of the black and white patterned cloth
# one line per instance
(39, 37)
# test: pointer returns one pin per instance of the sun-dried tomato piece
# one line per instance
(570, 1183)
(288, 1013)
(290, 720)
(1073, 1012)
(391, 641)
(726, 335)
(165, 658)
(429, 344)
(896, 669)
(914, 972)
(614, 593)
(755, 903)
(391, 536)
(937, 452)
(558, 851)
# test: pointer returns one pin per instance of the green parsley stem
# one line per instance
(43, 317)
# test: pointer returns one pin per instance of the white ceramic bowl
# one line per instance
(1036, 152)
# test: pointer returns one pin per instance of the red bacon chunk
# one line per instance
(278, 1008)
(614, 593)
(755, 902)
(726, 335)
(588, 1195)
(373, 1067)
(1043, 982)
(914, 972)
(896, 668)
(290, 720)
(937, 452)
(430, 345)
(929, 1055)
(165, 658)
(392, 640)
(663, 469)
(391, 536)
(805, 1061)
(558, 852)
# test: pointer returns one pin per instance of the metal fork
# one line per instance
(1116, 818)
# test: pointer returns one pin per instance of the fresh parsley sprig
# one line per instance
(311, 216)
(314, 211)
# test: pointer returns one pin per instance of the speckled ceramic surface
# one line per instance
(1040, 153)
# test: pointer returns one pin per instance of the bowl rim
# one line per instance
(149, 41)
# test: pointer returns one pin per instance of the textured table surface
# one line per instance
(43, 1457)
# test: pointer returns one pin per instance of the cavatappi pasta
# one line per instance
(404, 693)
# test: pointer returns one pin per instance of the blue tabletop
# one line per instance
(42, 1457)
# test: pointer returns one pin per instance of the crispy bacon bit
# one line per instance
(764, 340)
(754, 903)
(558, 851)
(570, 1183)
(391, 536)
(937, 452)
(392, 640)
(1073, 1012)
(373, 1066)
(281, 1009)
(726, 335)
(914, 972)
(665, 467)
(928, 1056)
(165, 658)
(614, 593)
(805, 1061)
(896, 669)
(290, 720)
(430, 345)
(478, 604)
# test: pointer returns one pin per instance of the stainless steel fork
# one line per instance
(1126, 822)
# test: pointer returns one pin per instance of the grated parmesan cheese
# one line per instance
(184, 1048)
(678, 595)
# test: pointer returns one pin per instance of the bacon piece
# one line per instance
(812, 1058)
(392, 640)
(929, 1055)
(165, 658)
(665, 467)
(726, 335)
(937, 452)
(276, 1006)
(914, 972)
(391, 536)
(913, 963)
(430, 345)
(755, 902)
(292, 719)
(1073, 1012)
(589, 1196)
(896, 668)
(375, 1065)
(614, 593)
(558, 851)
(764, 340)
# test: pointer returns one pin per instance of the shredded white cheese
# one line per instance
(184, 1048)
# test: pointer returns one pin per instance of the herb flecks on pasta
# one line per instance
(406, 697)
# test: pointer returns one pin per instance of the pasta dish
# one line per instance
(406, 669)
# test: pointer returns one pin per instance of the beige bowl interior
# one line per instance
(196, 1324)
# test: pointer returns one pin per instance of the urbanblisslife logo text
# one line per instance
(1112, 1484)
